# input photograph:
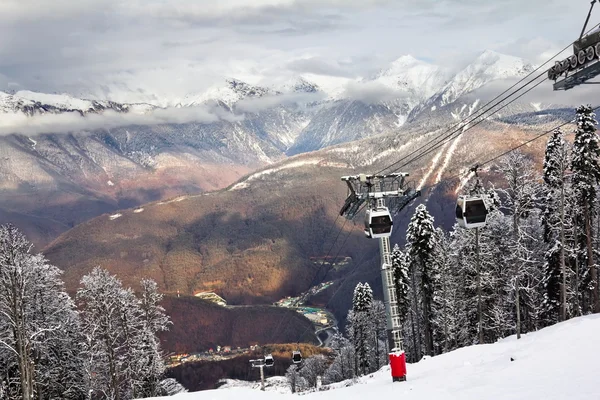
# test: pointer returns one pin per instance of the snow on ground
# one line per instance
(556, 363)
(447, 159)
(58, 100)
(294, 164)
(110, 183)
(115, 216)
(276, 384)
(537, 106)
(434, 163)
(138, 210)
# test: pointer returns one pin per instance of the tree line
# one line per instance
(101, 345)
(533, 265)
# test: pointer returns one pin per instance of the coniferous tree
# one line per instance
(342, 367)
(151, 367)
(420, 238)
(378, 323)
(400, 266)
(586, 175)
(554, 221)
(359, 327)
(444, 305)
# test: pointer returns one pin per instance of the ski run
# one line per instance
(556, 363)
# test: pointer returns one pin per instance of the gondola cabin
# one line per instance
(471, 212)
(296, 357)
(378, 223)
(269, 361)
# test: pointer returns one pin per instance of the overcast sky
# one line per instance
(113, 48)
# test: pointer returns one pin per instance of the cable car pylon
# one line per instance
(374, 190)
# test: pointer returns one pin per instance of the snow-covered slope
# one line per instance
(230, 92)
(471, 88)
(559, 362)
(32, 103)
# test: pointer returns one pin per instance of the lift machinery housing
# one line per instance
(583, 65)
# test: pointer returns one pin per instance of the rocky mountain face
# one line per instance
(264, 237)
(50, 182)
(373, 106)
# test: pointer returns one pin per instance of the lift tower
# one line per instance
(372, 191)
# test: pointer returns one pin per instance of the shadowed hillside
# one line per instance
(252, 243)
(199, 325)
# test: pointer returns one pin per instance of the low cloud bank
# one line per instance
(70, 122)
(371, 92)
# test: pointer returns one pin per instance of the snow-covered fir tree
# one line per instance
(151, 367)
(444, 311)
(554, 223)
(520, 197)
(378, 322)
(585, 165)
(360, 328)
(401, 266)
(420, 238)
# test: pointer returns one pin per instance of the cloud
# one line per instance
(74, 122)
(371, 92)
(168, 49)
(319, 66)
(258, 104)
(70, 122)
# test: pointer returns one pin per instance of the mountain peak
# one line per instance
(487, 67)
(299, 85)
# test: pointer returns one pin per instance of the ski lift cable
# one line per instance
(541, 135)
(532, 139)
(480, 112)
(456, 134)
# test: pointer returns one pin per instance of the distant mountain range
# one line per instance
(64, 160)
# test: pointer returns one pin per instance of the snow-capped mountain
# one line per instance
(32, 103)
(416, 80)
(230, 92)
(489, 66)
(254, 125)
(373, 106)
(298, 85)
(466, 91)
